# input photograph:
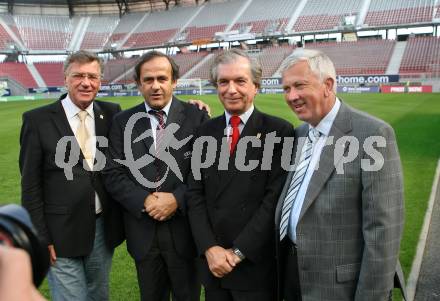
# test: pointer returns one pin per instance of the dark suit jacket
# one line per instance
(351, 221)
(126, 189)
(63, 211)
(235, 208)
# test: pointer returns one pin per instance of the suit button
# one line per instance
(243, 208)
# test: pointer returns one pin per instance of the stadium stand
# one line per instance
(10, 22)
(98, 32)
(44, 32)
(202, 70)
(154, 30)
(422, 54)
(373, 55)
(116, 67)
(187, 23)
(387, 12)
(272, 57)
(19, 72)
(212, 18)
(262, 18)
(126, 79)
(51, 72)
(5, 38)
(188, 60)
(321, 15)
(127, 23)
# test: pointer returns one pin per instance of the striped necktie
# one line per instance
(160, 130)
(295, 184)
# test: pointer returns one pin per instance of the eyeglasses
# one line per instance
(82, 76)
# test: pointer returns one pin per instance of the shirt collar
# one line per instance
(244, 117)
(71, 109)
(166, 108)
(325, 125)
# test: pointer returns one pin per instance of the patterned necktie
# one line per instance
(295, 184)
(235, 122)
(159, 115)
(82, 135)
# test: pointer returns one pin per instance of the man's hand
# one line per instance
(160, 205)
(52, 254)
(220, 261)
(201, 105)
(16, 276)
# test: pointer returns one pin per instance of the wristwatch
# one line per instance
(237, 252)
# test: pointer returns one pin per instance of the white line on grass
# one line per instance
(417, 262)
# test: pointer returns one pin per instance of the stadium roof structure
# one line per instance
(122, 5)
(76, 2)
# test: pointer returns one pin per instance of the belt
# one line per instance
(98, 215)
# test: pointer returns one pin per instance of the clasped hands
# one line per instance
(221, 261)
(160, 205)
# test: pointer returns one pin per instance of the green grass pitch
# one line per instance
(414, 117)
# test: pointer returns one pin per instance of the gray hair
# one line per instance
(230, 56)
(83, 57)
(319, 63)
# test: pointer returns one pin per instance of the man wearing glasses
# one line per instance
(74, 216)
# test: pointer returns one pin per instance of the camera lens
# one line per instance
(17, 231)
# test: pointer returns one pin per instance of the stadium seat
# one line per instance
(51, 72)
(19, 72)
(422, 55)
(372, 56)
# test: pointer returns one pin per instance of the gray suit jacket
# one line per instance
(351, 222)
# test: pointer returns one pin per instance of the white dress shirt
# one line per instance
(72, 111)
(324, 128)
(243, 117)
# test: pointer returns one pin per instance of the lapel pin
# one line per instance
(101, 116)
(258, 135)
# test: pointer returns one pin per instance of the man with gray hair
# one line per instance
(76, 218)
(231, 208)
(340, 214)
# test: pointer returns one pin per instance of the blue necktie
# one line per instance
(295, 184)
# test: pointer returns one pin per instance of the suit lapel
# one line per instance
(100, 120)
(60, 119)
(327, 162)
(253, 127)
(175, 114)
(218, 132)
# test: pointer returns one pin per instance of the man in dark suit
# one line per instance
(73, 213)
(158, 234)
(340, 214)
(230, 209)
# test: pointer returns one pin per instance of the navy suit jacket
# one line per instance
(62, 210)
(233, 208)
(131, 194)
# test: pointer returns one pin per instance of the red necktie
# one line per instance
(235, 122)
